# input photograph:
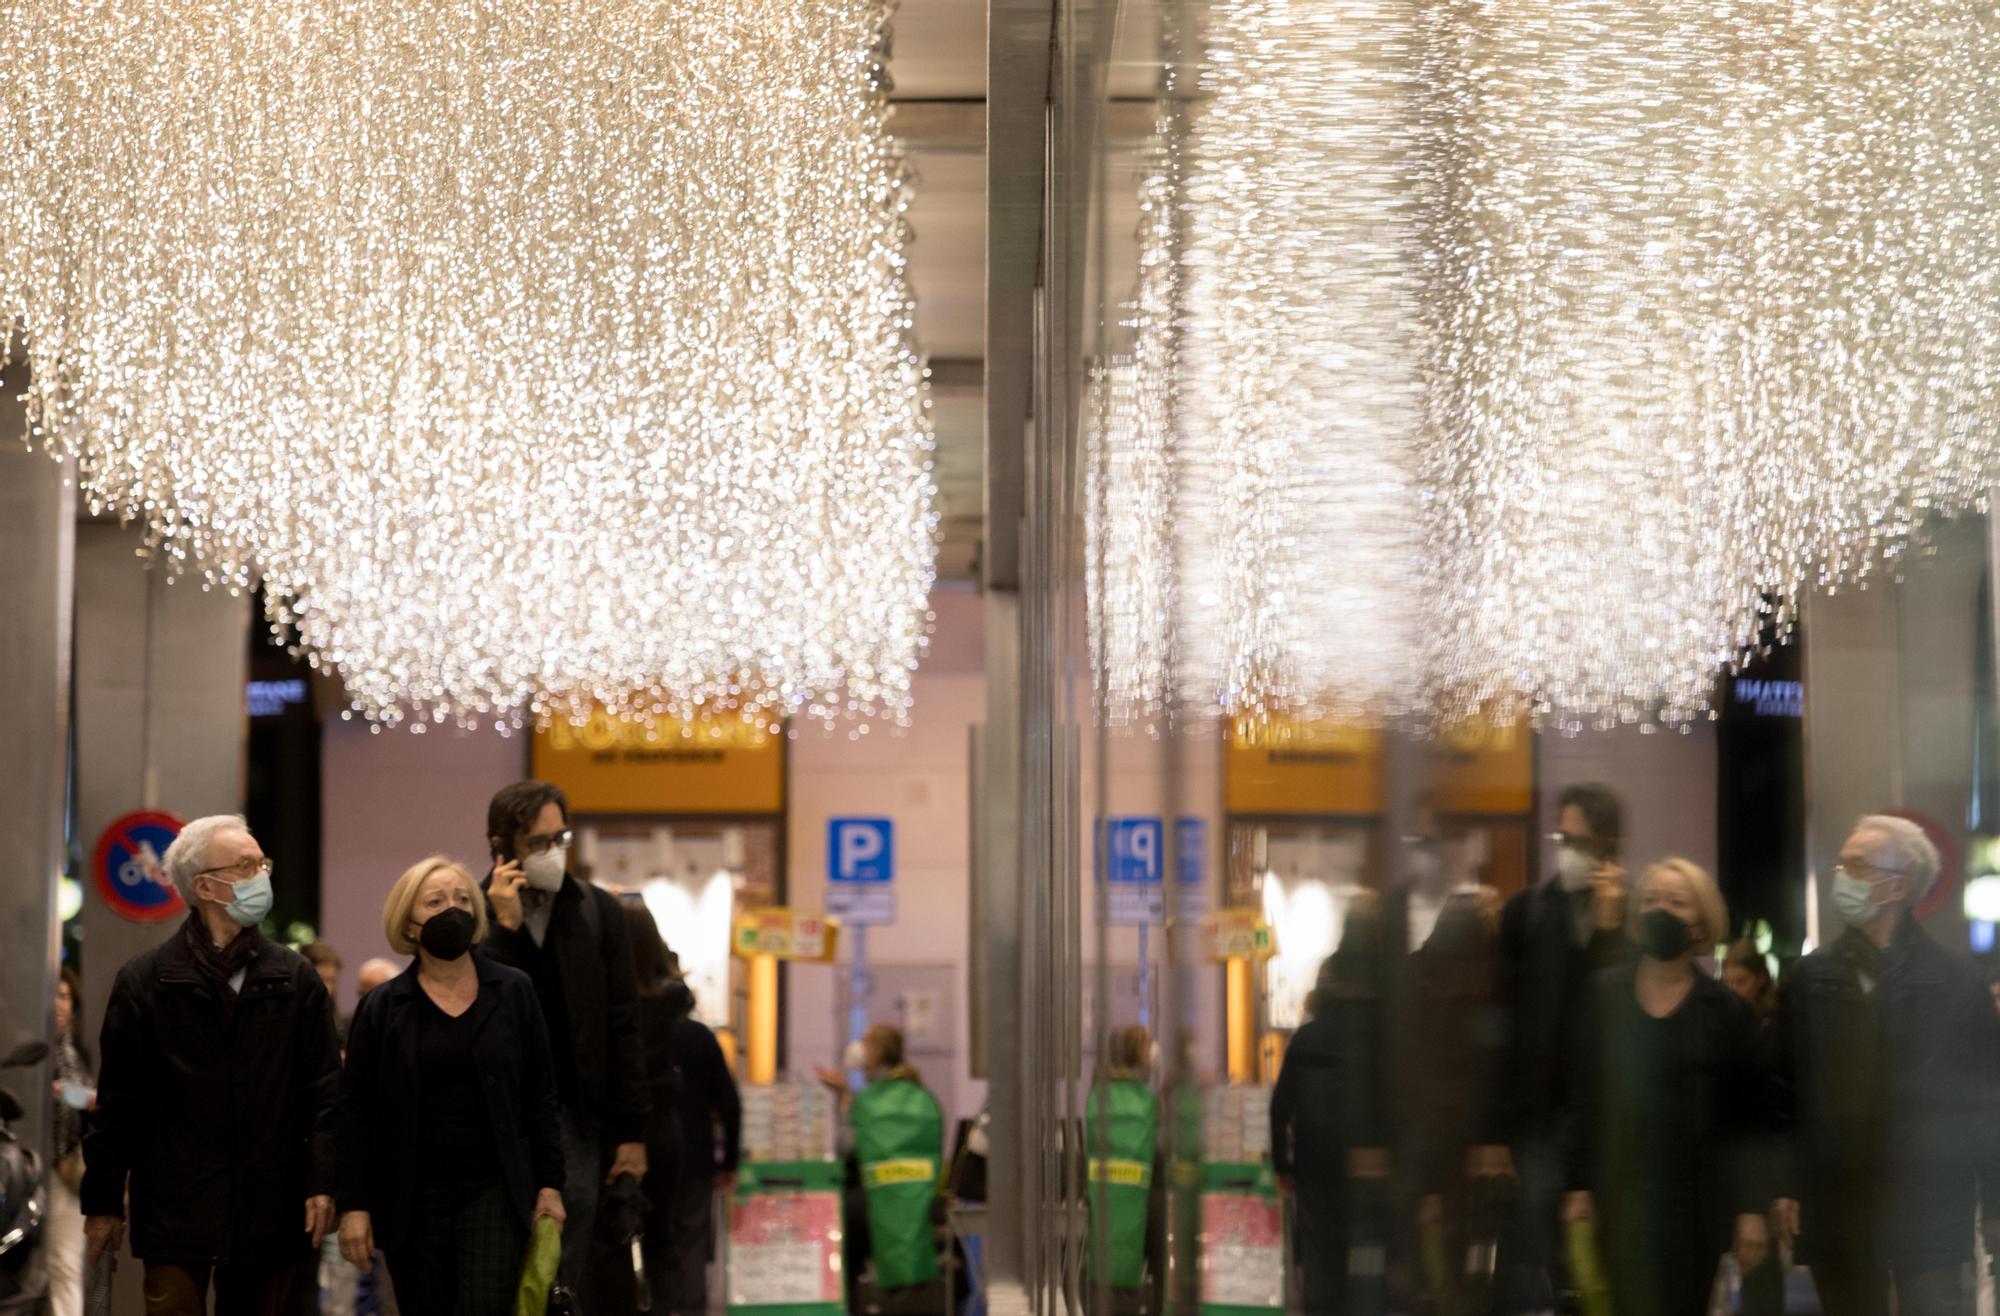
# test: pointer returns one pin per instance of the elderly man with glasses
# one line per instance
(216, 1101)
(1889, 1072)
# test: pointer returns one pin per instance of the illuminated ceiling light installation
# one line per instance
(535, 356)
(1717, 320)
(1258, 496)
(1709, 307)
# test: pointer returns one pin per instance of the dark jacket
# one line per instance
(381, 1145)
(583, 977)
(1674, 1128)
(221, 1113)
(1544, 979)
(1893, 1098)
(692, 1081)
(1330, 1090)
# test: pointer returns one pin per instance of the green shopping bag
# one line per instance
(1586, 1270)
(538, 1275)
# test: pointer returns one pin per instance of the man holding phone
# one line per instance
(570, 937)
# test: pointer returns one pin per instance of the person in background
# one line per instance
(1554, 938)
(326, 962)
(1889, 1071)
(216, 1105)
(449, 1145)
(1122, 1135)
(372, 974)
(694, 1100)
(1328, 1126)
(75, 1092)
(1452, 1152)
(1672, 1109)
(1748, 973)
(373, 1295)
(894, 1134)
(570, 937)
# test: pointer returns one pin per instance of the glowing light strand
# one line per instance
(534, 356)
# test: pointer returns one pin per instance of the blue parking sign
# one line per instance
(1137, 849)
(861, 870)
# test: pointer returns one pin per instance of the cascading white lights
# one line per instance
(1707, 314)
(535, 357)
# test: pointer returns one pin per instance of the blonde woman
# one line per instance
(1671, 1108)
(450, 1149)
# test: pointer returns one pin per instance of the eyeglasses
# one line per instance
(1581, 842)
(240, 871)
(535, 845)
(1847, 870)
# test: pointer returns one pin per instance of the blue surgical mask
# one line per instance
(252, 902)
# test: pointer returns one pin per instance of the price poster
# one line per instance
(784, 1253)
(1242, 1252)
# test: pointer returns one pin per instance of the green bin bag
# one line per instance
(899, 1141)
(1123, 1141)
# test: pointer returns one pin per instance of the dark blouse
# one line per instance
(451, 1114)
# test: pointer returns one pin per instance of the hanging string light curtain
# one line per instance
(1709, 313)
(535, 356)
(1258, 494)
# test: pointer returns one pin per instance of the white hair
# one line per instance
(1905, 848)
(377, 967)
(188, 854)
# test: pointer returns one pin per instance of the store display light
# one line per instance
(535, 358)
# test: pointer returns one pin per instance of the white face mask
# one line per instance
(1574, 867)
(544, 871)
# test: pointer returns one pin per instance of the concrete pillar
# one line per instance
(1890, 682)
(37, 520)
(160, 717)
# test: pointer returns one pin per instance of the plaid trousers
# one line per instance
(465, 1256)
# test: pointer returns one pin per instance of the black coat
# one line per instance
(381, 1145)
(1673, 1129)
(1893, 1098)
(221, 1115)
(583, 976)
(692, 1085)
(1544, 982)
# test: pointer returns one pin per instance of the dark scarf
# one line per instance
(219, 964)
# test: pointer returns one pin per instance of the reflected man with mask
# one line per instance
(1889, 1070)
(570, 938)
(1553, 939)
(216, 1097)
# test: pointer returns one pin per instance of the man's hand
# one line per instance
(1753, 1242)
(1579, 1206)
(504, 894)
(1785, 1219)
(548, 1202)
(319, 1219)
(630, 1158)
(105, 1232)
(1607, 898)
(357, 1241)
